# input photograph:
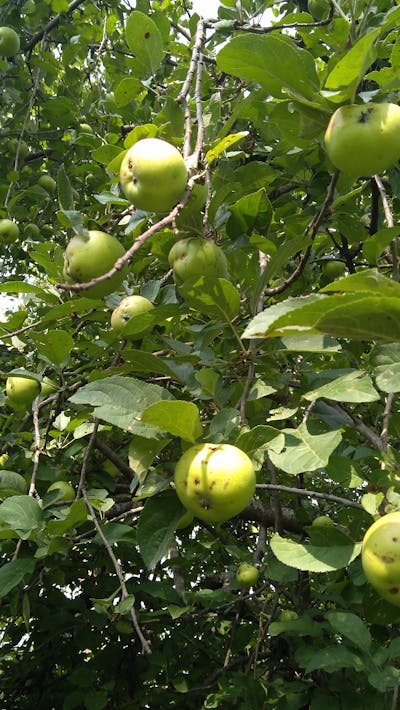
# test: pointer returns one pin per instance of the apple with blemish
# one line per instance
(214, 481)
(128, 308)
(247, 575)
(9, 231)
(153, 175)
(195, 257)
(364, 139)
(381, 556)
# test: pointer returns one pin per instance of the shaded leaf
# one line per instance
(353, 387)
(12, 573)
(178, 418)
(156, 526)
(303, 451)
(22, 514)
(215, 297)
(337, 552)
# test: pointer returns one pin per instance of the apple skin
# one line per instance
(21, 391)
(9, 231)
(66, 490)
(380, 556)
(153, 175)
(128, 308)
(247, 575)
(364, 140)
(48, 387)
(197, 256)
(9, 42)
(87, 258)
(214, 481)
(333, 270)
(48, 183)
(322, 521)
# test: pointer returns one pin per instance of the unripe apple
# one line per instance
(364, 139)
(196, 256)
(153, 175)
(48, 387)
(21, 391)
(85, 258)
(9, 42)
(247, 575)
(322, 521)
(128, 308)
(9, 231)
(66, 491)
(85, 128)
(381, 557)
(13, 147)
(214, 481)
(32, 231)
(333, 270)
(48, 183)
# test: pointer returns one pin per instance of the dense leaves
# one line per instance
(114, 599)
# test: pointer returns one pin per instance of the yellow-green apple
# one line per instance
(65, 490)
(21, 391)
(196, 256)
(128, 308)
(87, 257)
(48, 387)
(322, 521)
(48, 183)
(364, 139)
(9, 231)
(332, 270)
(13, 144)
(214, 481)
(153, 175)
(381, 556)
(247, 575)
(9, 42)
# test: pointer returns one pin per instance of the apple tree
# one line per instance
(272, 329)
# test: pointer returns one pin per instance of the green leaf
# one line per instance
(353, 387)
(348, 72)
(274, 62)
(12, 573)
(305, 626)
(127, 89)
(142, 453)
(12, 483)
(350, 625)
(333, 658)
(77, 515)
(106, 153)
(121, 401)
(369, 281)
(23, 287)
(303, 451)
(214, 297)
(54, 345)
(64, 189)
(337, 552)
(178, 418)
(222, 145)
(144, 39)
(386, 361)
(156, 526)
(375, 245)
(22, 514)
(253, 211)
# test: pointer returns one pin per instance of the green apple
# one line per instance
(319, 9)
(196, 256)
(128, 308)
(9, 42)
(153, 175)
(322, 521)
(66, 491)
(185, 520)
(32, 231)
(247, 575)
(48, 183)
(9, 231)
(214, 481)
(13, 147)
(288, 615)
(380, 556)
(333, 270)
(85, 128)
(87, 257)
(21, 391)
(364, 139)
(48, 387)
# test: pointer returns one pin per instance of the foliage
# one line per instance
(104, 603)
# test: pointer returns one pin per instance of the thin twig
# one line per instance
(309, 494)
(124, 591)
(390, 224)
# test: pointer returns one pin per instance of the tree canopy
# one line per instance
(286, 345)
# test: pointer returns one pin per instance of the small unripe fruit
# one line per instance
(9, 42)
(247, 575)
